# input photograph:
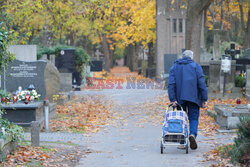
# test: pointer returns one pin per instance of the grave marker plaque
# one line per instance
(21, 73)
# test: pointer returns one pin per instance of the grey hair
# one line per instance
(188, 53)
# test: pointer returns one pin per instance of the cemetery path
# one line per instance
(134, 139)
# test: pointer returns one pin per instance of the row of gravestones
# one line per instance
(46, 76)
(26, 71)
(58, 74)
(211, 69)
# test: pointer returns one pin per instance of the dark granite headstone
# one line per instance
(247, 53)
(169, 60)
(96, 65)
(66, 63)
(21, 73)
(205, 70)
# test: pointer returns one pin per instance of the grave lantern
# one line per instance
(31, 87)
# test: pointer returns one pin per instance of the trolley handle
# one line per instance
(171, 105)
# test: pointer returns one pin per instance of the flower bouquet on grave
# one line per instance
(5, 97)
(26, 96)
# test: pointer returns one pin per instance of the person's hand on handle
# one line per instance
(204, 104)
(174, 103)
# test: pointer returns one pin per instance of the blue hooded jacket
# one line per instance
(186, 82)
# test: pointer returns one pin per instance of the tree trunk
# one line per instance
(193, 25)
(241, 16)
(221, 15)
(107, 53)
(45, 36)
(150, 55)
(246, 40)
(132, 54)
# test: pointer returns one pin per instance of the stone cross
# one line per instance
(216, 49)
(216, 41)
(98, 54)
(232, 51)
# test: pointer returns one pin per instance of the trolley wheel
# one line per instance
(162, 148)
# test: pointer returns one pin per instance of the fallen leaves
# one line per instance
(85, 114)
(43, 156)
(218, 156)
(25, 154)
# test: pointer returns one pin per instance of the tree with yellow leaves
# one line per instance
(230, 14)
(111, 23)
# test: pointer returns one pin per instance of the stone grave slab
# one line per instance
(228, 116)
(22, 73)
(23, 114)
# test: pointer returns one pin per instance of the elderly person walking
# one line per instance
(186, 86)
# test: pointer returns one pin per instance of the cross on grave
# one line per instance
(232, 52)
(217, 33)
(98, 54)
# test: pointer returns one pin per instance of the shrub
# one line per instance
(10, 129)
(241, 148)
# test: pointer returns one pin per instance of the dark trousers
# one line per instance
(193, 111)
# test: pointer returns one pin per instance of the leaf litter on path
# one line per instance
(51, 156)
(85, 114)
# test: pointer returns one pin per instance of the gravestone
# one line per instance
(65, 82)
(24, 52)
(52, 80)
(96, 65)
(216, 77)
(51, 77)
(247, 53)
(169, 60)
(66, 63)
(205, 57)
(21, 73)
